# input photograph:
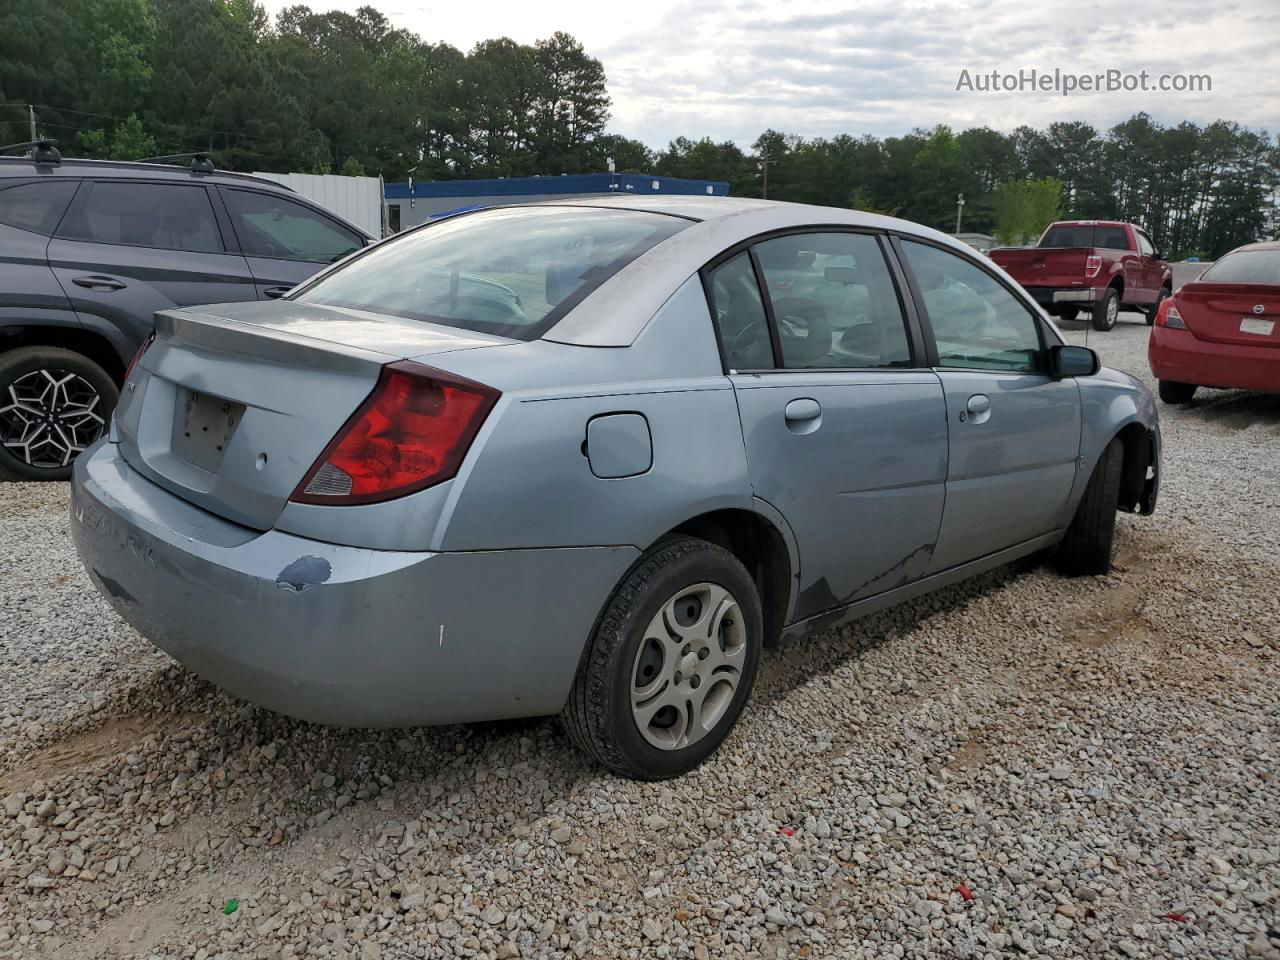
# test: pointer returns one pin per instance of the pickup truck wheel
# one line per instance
(670, 663)
(1107, 310)
(1171, 391)
(1068, 313)
(1161, 297)
(1086, 548)
(53, 404)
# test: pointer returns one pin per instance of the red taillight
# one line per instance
(411, 432)
(151, 338)
(1167, 315)
(1092, 264)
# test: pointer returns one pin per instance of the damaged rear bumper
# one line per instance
(335, 634)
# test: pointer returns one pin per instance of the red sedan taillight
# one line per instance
(1092, 264)
(411, 433)
(1168, 316)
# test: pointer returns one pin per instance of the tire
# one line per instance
(1164, 294)
(1106, 311)
(1068, 313)
(1171, 391)
(1086, 548)
(75, 394)
(602, 716)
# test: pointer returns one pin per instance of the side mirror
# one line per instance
(1158, 254)
(1068, 361)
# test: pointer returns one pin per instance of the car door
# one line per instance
(285, 241)
(29, 212)
(844, 426)
(1152, 270)
(1013, 432)
(128, 248)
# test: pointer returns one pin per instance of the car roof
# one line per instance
(616, 312)
(1259, 245)
(75, 167)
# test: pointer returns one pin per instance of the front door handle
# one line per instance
(977, 409)
(803, 415)
(276, 293)
(99, 283)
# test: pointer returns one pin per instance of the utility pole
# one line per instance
(959, 211)
(765, 160)
(31, 112)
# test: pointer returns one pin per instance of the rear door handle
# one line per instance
(276, 293)
(977, 408)
(99, 283)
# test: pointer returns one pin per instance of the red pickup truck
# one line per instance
(1102, 266)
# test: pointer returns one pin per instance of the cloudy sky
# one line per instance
(732, 69)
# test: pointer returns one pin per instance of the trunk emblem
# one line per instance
(1259, 308)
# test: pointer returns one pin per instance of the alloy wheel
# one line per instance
(688, 666)
(49, 416)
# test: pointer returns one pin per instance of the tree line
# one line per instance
(349, 93)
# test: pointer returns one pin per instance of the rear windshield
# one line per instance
(1246, 266)
(1086, 235)
(512, 272)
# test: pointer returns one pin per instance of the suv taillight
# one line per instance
(1167, 315)
(151, 338)
(1092, 264)
(410, 433)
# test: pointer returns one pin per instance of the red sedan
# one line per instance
(1222, 330)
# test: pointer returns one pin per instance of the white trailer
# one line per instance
(358, 199)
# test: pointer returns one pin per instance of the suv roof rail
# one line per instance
(43, 150)
(200, 162)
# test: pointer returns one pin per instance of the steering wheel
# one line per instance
(817, 343)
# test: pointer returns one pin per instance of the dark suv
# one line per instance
(90, 250)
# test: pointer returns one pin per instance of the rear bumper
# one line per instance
(333, 634)
(1073, 296)
(1179, 356)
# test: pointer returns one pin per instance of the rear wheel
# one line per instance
(1171, 391)
(1068, 313)
(1107, 310)
(1164, 295)
(53, 404)
(1086, 548)
(670, 664)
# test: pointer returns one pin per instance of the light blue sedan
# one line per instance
(588, 458)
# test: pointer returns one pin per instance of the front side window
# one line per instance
(166, 216)
(1145, 246)
(834, 301)
(278, 228)
(36, 206)
(740, 316)
(977, 323)
(513, 271)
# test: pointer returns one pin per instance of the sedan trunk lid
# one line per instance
(232, 404)
(1239, 313)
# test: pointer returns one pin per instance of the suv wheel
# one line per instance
(670, 664)
(53, 404)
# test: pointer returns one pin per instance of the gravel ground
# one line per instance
(1024, 766)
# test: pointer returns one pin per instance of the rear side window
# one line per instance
(513, 271)
(977, 323)
(740, 316)
(36, 206)
(834, 302)
(281, 229)
(166, 216)
(1246, 266)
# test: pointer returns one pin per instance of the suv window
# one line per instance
(272, 226)
(834, 301)
(36, 206)
(168, 216)
(739, 314)
(977, 323)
